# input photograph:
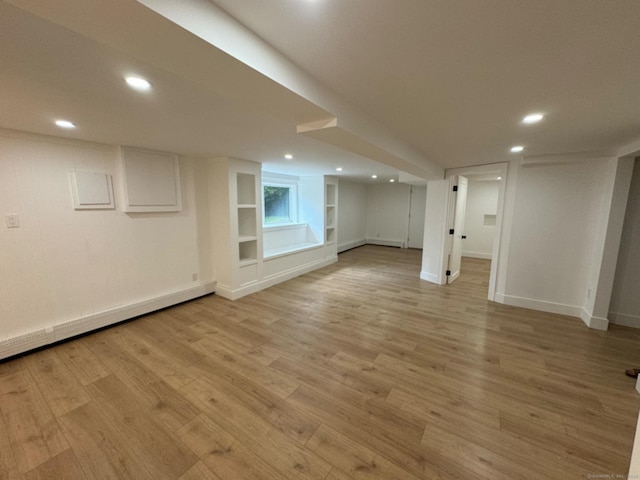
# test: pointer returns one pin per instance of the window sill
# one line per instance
(282, 226)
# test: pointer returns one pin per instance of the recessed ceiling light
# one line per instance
(339, 169)
(374, 176)
(288, 156)
(65, 124)
(517, 148)
(392, 180)
(533, 118)
(138, 83)
(499, 178)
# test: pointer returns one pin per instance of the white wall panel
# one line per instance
(63, 264)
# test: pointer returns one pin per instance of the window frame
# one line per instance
(293, 201)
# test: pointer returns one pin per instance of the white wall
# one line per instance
(63, 265)
(551, 234)
(387, 213)
(435, 252)
(482, 199)
(625, 299)
(417, 213)
(352, 215)
(374, 213)
(311, 204)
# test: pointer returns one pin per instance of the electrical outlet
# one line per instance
(194, 277)
(12, 220)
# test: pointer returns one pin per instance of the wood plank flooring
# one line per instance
(359, 370)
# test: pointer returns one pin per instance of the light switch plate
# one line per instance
(12, 220)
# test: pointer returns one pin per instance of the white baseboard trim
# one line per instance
(541, 305)
(484, 256)
(387, 242)
(430, 277)
(254, 287)
(624, 319)
(343, 247)
(46, 336)
(597, 323)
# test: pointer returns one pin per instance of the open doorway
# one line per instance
(439, 227)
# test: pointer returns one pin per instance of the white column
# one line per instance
(634, 468)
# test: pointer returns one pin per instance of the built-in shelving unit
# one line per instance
(235, 209)
(331, 216)
(246, 256)
(247, 224)
(246, 190)
(247, 219)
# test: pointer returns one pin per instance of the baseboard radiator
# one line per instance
(63, 331)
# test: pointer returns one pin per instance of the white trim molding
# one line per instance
(46, 336)
(226, 292)
(484, 256)
(430, 277)
(624, 319)
(386, 242)
(541, 305)
(343, 247)
(597, 323)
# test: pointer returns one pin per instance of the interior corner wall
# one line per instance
(352, 215)
(311, 204)
(482, 199)
(202, 210)
(388, 214)
(63, 265)
(552, 235)
(625, 301)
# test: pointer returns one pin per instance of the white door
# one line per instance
(459, 188)
(417, 203)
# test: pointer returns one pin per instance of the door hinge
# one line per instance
(448, 273)
(451, 231)
(455, 188)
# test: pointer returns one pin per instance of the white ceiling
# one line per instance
(50, 72)
(451, 79)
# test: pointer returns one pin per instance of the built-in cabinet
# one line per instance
(238, 236)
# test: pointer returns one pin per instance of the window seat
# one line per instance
(282, 251)
(283, 240)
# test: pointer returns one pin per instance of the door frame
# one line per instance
(497, 170)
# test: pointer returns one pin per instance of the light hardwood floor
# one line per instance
(358, 370)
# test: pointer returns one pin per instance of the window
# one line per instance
(279, 204)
